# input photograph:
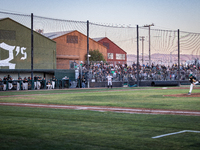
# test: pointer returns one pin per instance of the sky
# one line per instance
(165, 14)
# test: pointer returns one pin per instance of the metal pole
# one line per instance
(88, 53)
(137, 56)
(142, 39)
(178, 57)
(149, 47)
(32, 83)
(149, 42)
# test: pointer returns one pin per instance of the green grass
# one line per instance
(146, 98)
(45, 128)
(36, 128)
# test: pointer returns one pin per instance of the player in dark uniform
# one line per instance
(193, 80)
(53, 80)
(4, 83)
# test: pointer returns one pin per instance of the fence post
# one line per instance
(32, 85)
(88, 53)
(137, 56)
(178, 57)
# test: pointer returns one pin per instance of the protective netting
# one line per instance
(158, 49)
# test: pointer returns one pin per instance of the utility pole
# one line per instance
(142, 39)
(149, 42)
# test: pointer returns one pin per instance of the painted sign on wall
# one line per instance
(10, 49)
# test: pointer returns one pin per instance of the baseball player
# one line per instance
(193, 81)
(4, 83)
(53, 82)
(109, 78)
(35, 82)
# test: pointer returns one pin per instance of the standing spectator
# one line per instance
(78, 82)
(83, 81)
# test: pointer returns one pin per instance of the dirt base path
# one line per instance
(104, 108)
(184, 95)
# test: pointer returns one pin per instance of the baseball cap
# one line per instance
(190, 75)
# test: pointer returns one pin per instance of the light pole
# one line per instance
(149, 42)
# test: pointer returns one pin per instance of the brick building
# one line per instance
(72, 45)
(114, 52)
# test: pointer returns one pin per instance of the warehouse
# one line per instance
(15, 51)
(72, 45)
(114, 53)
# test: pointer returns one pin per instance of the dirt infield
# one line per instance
(184, 95)
(104, 108)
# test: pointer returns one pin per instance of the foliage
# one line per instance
(95, 56)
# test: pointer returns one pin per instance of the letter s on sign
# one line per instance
(23, 53)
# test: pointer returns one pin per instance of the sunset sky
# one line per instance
(165, 14)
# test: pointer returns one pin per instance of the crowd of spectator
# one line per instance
(98, 71)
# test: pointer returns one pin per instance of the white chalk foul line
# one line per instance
(155, 137)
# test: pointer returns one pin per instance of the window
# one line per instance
(72, 39)
(110, 55)
(7, 35)
(106, 45)
(120, 56)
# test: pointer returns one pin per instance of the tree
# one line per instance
(95, 55)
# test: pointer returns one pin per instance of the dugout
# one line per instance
(15, 51)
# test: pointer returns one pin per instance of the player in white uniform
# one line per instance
(109, 78)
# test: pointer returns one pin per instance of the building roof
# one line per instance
(53, 35)
(101, 38)
(98, 39)
(2, 19)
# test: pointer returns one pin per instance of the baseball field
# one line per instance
(138, 118)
